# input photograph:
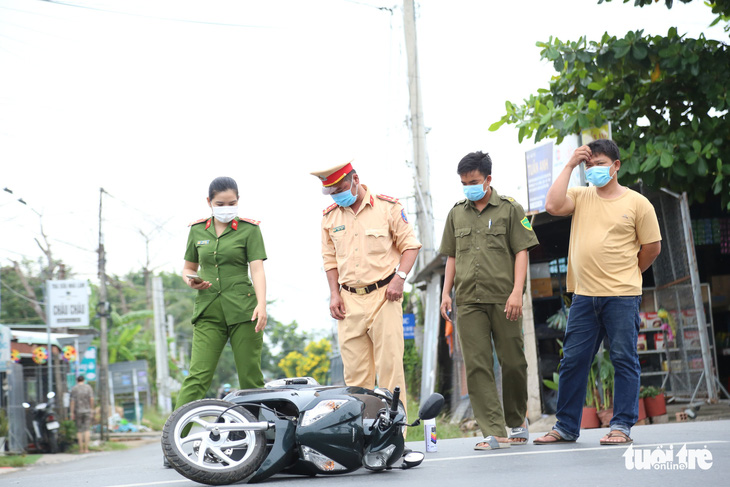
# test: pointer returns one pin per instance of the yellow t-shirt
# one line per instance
(605, 238)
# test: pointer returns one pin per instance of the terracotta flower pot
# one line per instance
(642, 409)
(589, 419)
(655, 406)
(604, 416)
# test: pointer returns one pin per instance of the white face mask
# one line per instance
(224, 214)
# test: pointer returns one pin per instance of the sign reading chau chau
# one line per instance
(67, 303)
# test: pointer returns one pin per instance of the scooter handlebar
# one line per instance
(396, 400)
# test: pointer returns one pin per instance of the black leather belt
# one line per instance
(371, 287)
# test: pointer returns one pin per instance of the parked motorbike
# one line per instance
(43, 432)
(293, 426)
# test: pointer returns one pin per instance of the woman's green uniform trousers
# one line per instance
(210, 334)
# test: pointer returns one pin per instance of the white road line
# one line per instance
(164, 482)
(548, 450)
(545, 449)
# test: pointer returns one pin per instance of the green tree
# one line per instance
(315, 361)
(665, 96)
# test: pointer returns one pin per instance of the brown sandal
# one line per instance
(616, 434)
(556, 438)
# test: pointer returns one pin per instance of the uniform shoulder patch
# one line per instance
(248, 220)
(329, 209)
(460, 202)
(385, 197)
(198, 221)
(526, 223)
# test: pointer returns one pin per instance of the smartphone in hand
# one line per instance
(196, 279)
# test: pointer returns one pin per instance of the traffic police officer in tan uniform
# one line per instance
(368, 248)
(486, 239)
(228, 305)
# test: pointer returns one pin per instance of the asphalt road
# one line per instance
(456, 463)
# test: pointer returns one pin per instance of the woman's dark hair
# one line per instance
(222, 184)
(475, 161)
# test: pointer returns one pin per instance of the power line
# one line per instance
(167, 19)
(41, 303)
(389, 9)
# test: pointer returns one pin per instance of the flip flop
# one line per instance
(521, 432)
(552, 434)
(616, 434)
(491, 444)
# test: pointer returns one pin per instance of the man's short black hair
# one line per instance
(475, 161)
(80, 378)
(606, 147)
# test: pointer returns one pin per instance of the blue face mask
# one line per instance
(475, 192)
(599, 175)
(345, 198)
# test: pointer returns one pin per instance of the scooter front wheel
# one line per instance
(207, 457)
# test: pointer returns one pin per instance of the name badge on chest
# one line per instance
(203, 242)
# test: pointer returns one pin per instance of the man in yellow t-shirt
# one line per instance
(614, 237)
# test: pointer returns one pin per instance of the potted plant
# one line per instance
(606, 373)
(654, 401)
(3, 430)
(589, 418)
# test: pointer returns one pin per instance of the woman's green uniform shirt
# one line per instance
(224, 263)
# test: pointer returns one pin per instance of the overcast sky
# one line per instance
(153, 99)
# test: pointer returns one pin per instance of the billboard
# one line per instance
(67, 303)
(543, 165)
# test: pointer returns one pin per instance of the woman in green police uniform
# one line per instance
(220, 251)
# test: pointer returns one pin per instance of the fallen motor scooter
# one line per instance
(292, 426)
(43, 435)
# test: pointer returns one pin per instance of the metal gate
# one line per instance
(689, 363)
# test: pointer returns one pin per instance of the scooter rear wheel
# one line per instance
(211, 459)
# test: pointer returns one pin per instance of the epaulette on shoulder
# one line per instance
(198, 221)
(460, 202)
(329, 209)
(248, 220)
(385, 197)
(511, 200)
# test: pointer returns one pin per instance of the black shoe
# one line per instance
(165, 463)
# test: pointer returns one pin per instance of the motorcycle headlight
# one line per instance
(378, 460)
(322, 462)
(321, 410)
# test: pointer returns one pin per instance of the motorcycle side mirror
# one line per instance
(412, 459)
(51, 395)
(431, 407)
(26, 405)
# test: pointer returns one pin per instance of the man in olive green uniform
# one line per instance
(225, 308)
(486, 239)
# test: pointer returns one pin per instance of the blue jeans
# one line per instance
(590, 319)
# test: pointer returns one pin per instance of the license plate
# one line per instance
(53, 425)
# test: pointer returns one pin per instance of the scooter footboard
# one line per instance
(283, 451)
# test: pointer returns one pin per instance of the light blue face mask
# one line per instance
(475, 192)
(345, 198)
(599, 176)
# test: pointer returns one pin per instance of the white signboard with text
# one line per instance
(67, 303)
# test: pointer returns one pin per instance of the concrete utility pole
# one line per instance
(424, 206)
(103, 312)
(164, 403)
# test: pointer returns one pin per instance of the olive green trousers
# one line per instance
(478, 325)
(210, 335)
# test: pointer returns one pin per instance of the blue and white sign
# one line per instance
(6, 337)
(409, 326)
(87, 367)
